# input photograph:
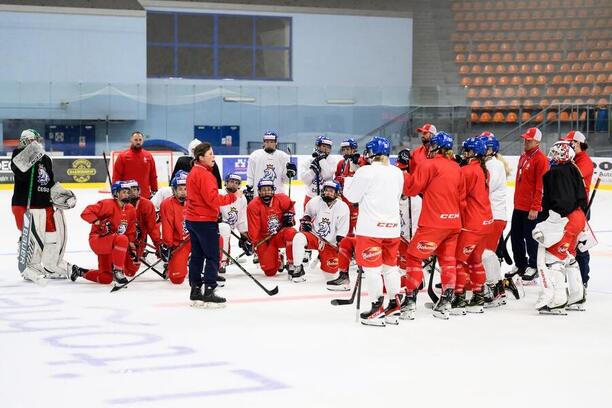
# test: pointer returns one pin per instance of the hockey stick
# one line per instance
(290, 178)
(349, 301)
(430, 287)
(271, 292)
(410, 217)
(24, 243)
(358, 306)
(593, 195)
(119, 287)
(144, 261)
(266, 239)
(110, 181)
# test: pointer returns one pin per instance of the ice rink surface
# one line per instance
(77, 345)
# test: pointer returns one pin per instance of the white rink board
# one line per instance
(76, 344)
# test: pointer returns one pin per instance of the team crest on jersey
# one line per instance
(332, 262)
(563, 248)
(122, 227)
(273, 224)
(269, 173)
(372, 253)
(426, 246)
(232, 216)
(43, 177)
(468, 249)
(324, 228)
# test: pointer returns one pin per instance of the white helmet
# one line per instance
(28, 136)
(192, 145)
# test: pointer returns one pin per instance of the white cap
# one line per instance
(192, 145)
(575, 136)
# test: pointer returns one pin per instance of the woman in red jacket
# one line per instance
(201, 215)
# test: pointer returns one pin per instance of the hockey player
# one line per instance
(563, 204)
(477, 219)
(319, 169)
(271, 217)
(498, 172)
(234, 217)
(35, 187)
(146, 226)
(351, 161)
(176, 245)
(377, 189)
(113, 228)
(439, 180)
(324, 224)
(136, 163)
(269, 164)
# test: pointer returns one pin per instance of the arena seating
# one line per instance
(518, 57)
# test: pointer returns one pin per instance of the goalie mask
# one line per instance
(28, 136)
(232, 182)
(179, 185)
(561, 152)
(330, 192)
(265, 190)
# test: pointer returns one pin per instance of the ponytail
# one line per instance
(507, 168)
(483, 166)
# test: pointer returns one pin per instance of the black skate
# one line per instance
(476, 303)
(196, 295)
(458, 305)
(579, 305)
(408, 306)
(119, 277)
(211, 299)
(255, 258)
(341, 283)
(298, 275)
(557, 310)
(77, 272)
(220, 280)
(511, 286)
(393, 311)
(376, 315)
(515, 271)
(530, 274)
(493, 295)
(441, 309)
(290, 271)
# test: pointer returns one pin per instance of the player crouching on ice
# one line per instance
(113, 230)
(176, 245)
(234, 217)
(564, 203)
(271, 217)
(324, 225)
(377, 189)
(37, 204)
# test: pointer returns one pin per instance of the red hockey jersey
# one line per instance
(123, 220)
(146, 222)
(439, 180)
(476, 212)
(343, 169)
(172, 222)
(264, 220)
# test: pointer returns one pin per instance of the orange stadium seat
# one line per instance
(596, 90)
(587, 67)
(475, 104)
(521, 92)
(512, 69)
(493, 47)
(511, 117)
(579, 79)
(500, 69)
(528, 47)
(476, 69)
(582, 56)
(568, 79)
(498, 117)
(474, 117)
(550, 92)
(505, 47)
(484, 93)
(551, 116)
(460, 57)
(605, 55)
(509, 92)
(534, 92)
(576, 67)
(497, 93)
(562, 91)
(557, 79)
(483, 58)
(488, 69)
(556, 56)
(594, 55)
(539, 117)
(466, 81)
(485, 117)
(609, 77)
(471, 57)
(553, 46)
(478, 81)
(532, 57)
(528, 104)
(602, 102)
(528, 80)
(488, 104)
(525, 116)
(580, 101)
(491, 81)
(572, 91)
(520, 57)
(564, 67)
(464, 69)
(549, 69)
(503, 80)
(514, 104)
(608, 66)
(585, 91)
(564, 116)
(495, 57)
(541, 80)
(572, 55)
(525, 69)
(516, 80)
(537, 68)
(472, 93)
(507, 57)
(543, 103)
(590, 78)
(482, 47)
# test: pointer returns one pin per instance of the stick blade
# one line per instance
(116, 288)
(273, 291)
(341, 302)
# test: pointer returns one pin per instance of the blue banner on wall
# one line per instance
(224, 139)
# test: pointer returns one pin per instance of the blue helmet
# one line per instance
(441, 140)
(476, 145)
(265, 183)
(491, 141)
(120, 185)
(179, 179)
(332, 184)
(323, 140)
(232, 176)
(270, 135)
(350, 142)
(378, 146)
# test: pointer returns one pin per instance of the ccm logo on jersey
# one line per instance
(371, 253)
(449, 216)
(426, 246)
(468, 249)
(387, 224)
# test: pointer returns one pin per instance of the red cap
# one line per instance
(575, 136)
(428, 127)
(532, 134)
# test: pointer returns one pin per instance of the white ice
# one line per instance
(77, 345)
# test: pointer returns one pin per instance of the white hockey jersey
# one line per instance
(328, 171)
(328, 222)
(161, 195)
(377, 189)
(268, 166)
(406, 214)
(497, 188)
(235, 214)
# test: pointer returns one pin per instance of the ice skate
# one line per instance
(77, 272)
(255, 258)
(476, 303)
(119, 277)
(530, 274)
(307, 256)
(408, 306)
(341, 283)
(34, 276)
(55, 275)
(458, 305)
(393, 311)
(515, 271)
(376, 315)
(494, 295)
(441, 309)
(299, 275)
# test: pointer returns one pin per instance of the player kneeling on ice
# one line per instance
(113, 229)
(38, 205)
(324, 225)
(564, 202)
(377, 189)
(271, 217)
(234, 218)
(146, 226)
(176, 245)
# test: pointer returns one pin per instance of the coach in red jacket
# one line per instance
(527, 204)
(137, 164)
(201, 215)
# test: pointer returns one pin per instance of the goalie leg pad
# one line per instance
(574, 281)
(55, 248)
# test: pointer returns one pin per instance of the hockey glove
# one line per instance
(288, 219)
(165, 252)
(306, 224)
(105, 227)
(404, 156)
(248, 193)
(291, 170)
(315, 166)
(355, 158)
(245, 244)
(339, 238)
